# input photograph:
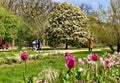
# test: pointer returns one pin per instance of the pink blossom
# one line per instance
(89, 57)
(102, 63)
(94, 63)
(107, 60)
(94, 57)
(80, 61)
(117, 54)
(110, 64)
(67, 53)
(101, 59)
(24, 56)
(88, 61)
(106, 54)
(70, 61)
(112, 59)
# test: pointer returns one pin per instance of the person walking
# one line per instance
(39, 47)
(90, 43)
(34, 45)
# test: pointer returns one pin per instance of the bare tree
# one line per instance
(110, 19)
(87, 8)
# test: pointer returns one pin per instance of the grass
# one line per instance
(14, 73)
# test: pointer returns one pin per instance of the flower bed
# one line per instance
(92, 69)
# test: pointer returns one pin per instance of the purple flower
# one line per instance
(24, 56)
(94, 57)
(70, 60)
(67, 53)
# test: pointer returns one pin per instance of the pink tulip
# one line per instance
(102, 63)
(94, 57)
(89, 57)
(70, 61)
(117, 54)
(80, 61)
(94, 63)
(88, 61)
(112, 59)
(101, 59)
(67, 53)
(106, 54)
(24, 56)
(107, 60)
(110, 64)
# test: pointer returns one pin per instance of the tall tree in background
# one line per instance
(68, 25)
(86, 8)
(9, 25)
(110, 27)
(34, 12)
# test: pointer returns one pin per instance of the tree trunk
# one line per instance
(13, 42)
(66, 45)
(118, 46)
(43, 42)
(111, 47)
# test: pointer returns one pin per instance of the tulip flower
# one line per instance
(70, 61)
(94, 57)
(24, 56)
(102, 63)
(106, 54)
(117, 54)
(67, 53)
(80, 61)
(94, 63)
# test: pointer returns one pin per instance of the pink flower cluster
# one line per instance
(106, 62)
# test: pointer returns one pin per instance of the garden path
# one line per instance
(70, 51)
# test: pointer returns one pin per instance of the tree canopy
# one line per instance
(33, 12)
(67, 25)
(108, 28)
(12, 28)
(9, 24)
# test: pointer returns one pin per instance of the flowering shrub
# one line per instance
(93, 69)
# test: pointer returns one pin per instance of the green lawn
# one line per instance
(14, 73)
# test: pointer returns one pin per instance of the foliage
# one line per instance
(33, 12)
(109, 31)
(9, 23)
(12, 27)
(67, 25)
(25, 39)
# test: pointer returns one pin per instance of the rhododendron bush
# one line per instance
(92, 69)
